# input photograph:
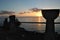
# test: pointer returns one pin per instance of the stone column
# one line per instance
(50, 15)
(12, 23)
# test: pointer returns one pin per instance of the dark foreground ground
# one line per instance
(22, 34)
(11, 31)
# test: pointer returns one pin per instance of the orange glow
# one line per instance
(39, 13)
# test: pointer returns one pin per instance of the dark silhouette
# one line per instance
(13, 19)
(12, 30)
(13, 22)
(50, 15)
(6, 25)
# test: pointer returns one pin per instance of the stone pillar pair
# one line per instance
(11, 25)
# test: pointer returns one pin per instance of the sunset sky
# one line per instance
(22, 5)
(22, 10)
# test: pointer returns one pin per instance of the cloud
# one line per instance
(6, 12)
(34, 9)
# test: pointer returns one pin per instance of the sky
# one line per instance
(22, 5)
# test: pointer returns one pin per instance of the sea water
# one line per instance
(33, 26)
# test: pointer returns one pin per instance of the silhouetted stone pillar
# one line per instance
(50, 15)
(12, 23)
(5, 24)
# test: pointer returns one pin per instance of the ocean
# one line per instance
(33, 26)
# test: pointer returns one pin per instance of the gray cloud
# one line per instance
(6, 12)
(34, 9)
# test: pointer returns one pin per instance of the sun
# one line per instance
(39, 13)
